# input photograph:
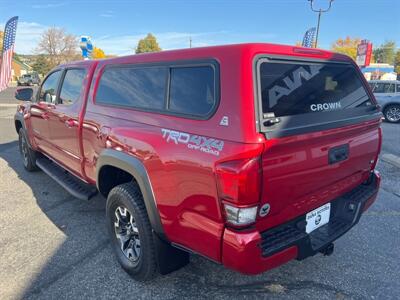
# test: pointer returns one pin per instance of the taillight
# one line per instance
(375, 161)
(239, 189)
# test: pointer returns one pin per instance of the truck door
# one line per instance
(64, 120)
(40, 109)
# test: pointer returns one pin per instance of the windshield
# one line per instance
(26, 76)
(293, 88)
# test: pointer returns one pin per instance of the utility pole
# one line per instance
(190, 42)
(319, 11)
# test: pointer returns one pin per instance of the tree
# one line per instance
(17, 57)
(385, 53)
(148, 44)
(98, 53)
(59, 46)
(346, 46)
(41, 65)
(397, 62)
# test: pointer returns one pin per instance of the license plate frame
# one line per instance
(318, 217)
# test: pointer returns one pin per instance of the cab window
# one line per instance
(72, 86)
(48, 92)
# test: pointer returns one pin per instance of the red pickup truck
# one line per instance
(250, 155)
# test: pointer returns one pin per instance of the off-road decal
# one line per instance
(195, 142)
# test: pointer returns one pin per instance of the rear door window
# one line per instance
(383, 87)
(389, 88)
(289, 89)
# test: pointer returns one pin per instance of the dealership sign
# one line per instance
(364, 53)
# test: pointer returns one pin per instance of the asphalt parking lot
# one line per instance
(55, 246)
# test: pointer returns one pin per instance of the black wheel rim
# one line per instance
(393, 114)
(24, 150)
(127, 233)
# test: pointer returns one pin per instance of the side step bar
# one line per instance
(69, 182)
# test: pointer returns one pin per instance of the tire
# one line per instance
(139, 262)
(392, 113)
(27, 154)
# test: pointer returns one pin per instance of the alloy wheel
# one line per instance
(127, 232)
(393, 114)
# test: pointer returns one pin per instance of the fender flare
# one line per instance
(19, 117)
(135, 167)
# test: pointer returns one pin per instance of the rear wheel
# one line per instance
(27, 154)
(392, 113)
(131, 232)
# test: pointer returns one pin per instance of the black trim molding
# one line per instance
(135, 167)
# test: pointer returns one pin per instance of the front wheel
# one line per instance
(131, 232)
(27, 154)
(392, 113)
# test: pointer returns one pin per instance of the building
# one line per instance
(379, 71)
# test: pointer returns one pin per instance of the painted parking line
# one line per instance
(391, 159)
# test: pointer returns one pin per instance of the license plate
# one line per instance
(318, 217)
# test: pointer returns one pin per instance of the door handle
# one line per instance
(70, 123)
(45, 116)
(338, 153)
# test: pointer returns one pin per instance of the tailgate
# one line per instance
(323, 135)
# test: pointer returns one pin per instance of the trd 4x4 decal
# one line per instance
(195, 142)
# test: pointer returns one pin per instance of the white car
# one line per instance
(387, 93)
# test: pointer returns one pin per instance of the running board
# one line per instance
(69, 182)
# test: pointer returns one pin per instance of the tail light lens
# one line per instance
(379, 149)
(239, 188)
(239, 181)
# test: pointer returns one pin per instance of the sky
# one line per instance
(116, 26)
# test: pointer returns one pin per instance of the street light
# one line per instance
(319, 11)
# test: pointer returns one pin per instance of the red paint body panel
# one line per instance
(241, 252)
(295, 175)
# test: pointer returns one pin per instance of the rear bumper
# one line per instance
(255, 252)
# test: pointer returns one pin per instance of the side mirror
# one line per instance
(24, 94)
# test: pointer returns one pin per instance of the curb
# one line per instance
(8, 105)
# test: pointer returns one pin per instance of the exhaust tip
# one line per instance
(328, 250)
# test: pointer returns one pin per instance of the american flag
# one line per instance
(8, 49)
(309, 36)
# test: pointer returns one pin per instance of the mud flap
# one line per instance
(169, 258)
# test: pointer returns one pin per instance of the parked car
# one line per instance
(385, 87)
(390, 107)
(29, 79)
(250, 155)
